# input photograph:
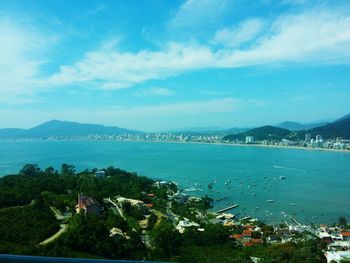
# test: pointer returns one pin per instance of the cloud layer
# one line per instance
(317, 36)
(119, 72)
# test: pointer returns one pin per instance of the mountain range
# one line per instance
(295, 126)
(338, 128)
(288, 130)
(58, 128)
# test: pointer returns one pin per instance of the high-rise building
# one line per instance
(307, 137)
(249, 139)
(319, 138)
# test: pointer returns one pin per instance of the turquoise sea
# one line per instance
(316, 187)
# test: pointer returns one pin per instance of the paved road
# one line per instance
(52, 238)
(109, 200)
(170, 214)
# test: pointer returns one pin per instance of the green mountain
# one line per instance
(57, 128)
(295, 126)
(339, 128)
(261, 133)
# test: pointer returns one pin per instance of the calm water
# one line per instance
(317, 182)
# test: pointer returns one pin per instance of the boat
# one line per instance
(282, 177)
(293, 204)
(270, 200)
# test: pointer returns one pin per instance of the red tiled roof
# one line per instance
(257, 240)
(247, 233)
(150, 195)
(237, 236)
(248, 244)
(345, 234)
(149, 205)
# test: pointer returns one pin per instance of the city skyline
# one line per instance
(160, 65)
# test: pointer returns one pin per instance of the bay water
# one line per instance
(311, 185)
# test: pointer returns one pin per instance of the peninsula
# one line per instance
(111, 213)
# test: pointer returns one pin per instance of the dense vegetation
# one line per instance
(340, 128)
(89, 237)
(27, 197)
(61, 188)
(213, 245)
(24, 227)
(263, 133)
(26, 220)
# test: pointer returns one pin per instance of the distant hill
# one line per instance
(234, 130)
(209, 131)
(261, 133)
(295, 126)
(347, 116)
(63, 128)
(339, 128)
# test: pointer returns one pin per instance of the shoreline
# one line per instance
(198, 143)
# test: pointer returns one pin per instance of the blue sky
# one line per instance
(162, 65)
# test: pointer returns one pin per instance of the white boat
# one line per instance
(269, 200)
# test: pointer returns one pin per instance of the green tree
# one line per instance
(30, 169)
(67, 169)
(342, 221)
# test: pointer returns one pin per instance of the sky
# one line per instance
(159, 65)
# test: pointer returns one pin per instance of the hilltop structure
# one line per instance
(88, 205)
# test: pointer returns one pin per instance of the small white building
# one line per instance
(100, 174)
(337, 256)
(183, 224)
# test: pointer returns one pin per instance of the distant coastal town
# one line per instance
(330, 136)
(308, 143)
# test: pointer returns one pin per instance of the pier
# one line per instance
(294, 220)
(227, 208)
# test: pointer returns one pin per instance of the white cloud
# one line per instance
(236, 36)
(312, 37)
(198, 13)
(20, 61)
(108, 69)
(318, 36)
(157, 91)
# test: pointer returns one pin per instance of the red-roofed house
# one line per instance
(87, 204)
(150, 195)
(247, 234)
